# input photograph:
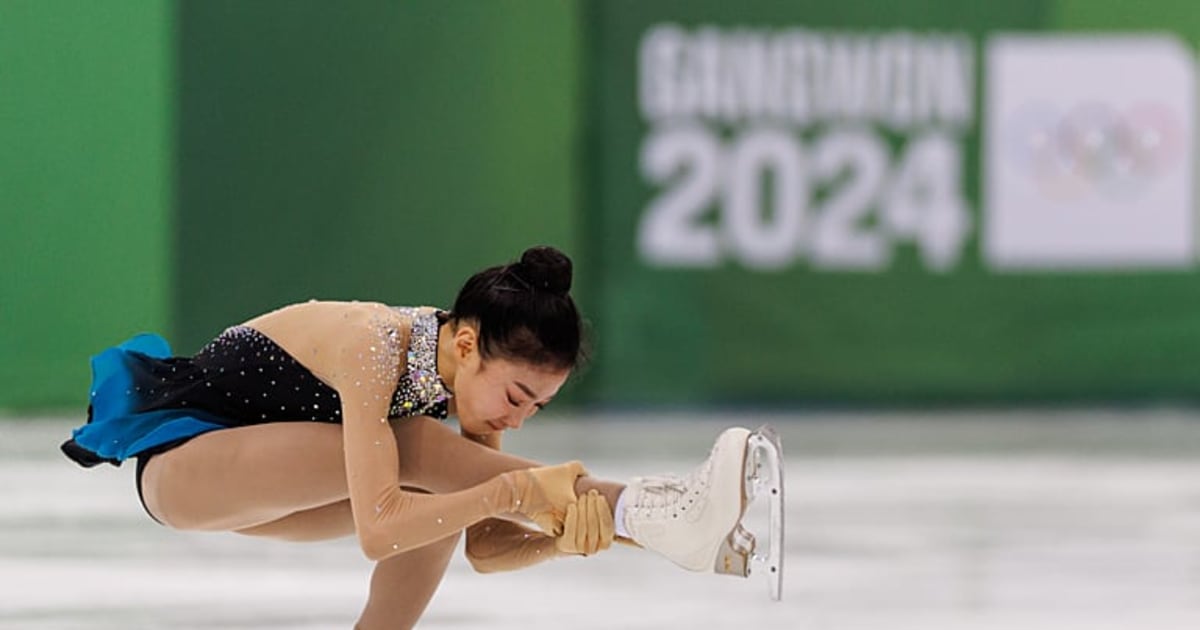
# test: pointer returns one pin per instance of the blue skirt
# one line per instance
(119, 424)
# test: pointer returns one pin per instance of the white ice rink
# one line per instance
(1015, 521)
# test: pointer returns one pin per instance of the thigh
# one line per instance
(403, 585)
(237, 478)
(322, 523)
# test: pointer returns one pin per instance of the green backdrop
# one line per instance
(86, 108)
(178, 166)
(367, 150)
(715, 325)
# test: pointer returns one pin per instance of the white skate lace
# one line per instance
(664, 491)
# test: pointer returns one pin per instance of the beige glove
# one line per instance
(543, 494)
(588, 527)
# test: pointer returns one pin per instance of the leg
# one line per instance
(323, 523)
(402, 585)
(238, 478)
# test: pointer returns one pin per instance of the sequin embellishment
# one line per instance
(421, 391)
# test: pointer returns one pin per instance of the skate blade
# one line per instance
(739, 553)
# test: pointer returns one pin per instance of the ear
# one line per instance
(466, 341)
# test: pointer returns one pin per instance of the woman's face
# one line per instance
(496, 394)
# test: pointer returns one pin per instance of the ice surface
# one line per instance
(1087, 520)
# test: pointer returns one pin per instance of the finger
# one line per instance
(584, 525)
(581, 530)
(607, 528)
(565, 539)
(571, 523)
(593, 523)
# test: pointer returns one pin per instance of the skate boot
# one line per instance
(696, 521)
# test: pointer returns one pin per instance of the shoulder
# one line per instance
(320, 311)
(329, 338)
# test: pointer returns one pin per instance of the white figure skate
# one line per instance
(696, 521)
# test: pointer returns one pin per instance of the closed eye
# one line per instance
(515, 403)
(528, 392)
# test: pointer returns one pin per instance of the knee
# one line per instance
(159, 501)
(416, 438)
(150, 487)
(416, 428)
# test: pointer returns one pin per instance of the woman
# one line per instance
(321, 420)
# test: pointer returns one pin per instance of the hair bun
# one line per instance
(545, 269)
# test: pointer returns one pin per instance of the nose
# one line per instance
(514, 421)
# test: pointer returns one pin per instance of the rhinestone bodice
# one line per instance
(420, 390)
(244, 377)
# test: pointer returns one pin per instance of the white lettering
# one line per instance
(899, 80)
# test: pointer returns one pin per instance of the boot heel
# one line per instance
(736, 551)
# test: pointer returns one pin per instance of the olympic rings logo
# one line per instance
(1094, 148)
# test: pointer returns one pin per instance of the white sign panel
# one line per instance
(1088, 153)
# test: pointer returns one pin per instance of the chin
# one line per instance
(485, 428)
(475, 426)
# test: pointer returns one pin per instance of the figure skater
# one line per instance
(322, 420)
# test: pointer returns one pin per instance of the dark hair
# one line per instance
(524, 310)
